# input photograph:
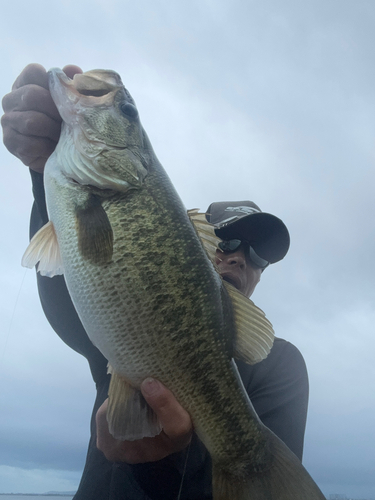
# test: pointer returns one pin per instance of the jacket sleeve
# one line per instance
(279, 390)
(55, 299)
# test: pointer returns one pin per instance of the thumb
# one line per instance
(70, 70)
(174, 418)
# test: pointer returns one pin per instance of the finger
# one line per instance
(175, 420)
(31, 97)
(38, 164)
(146, 449)
(143, 450)
(33, 73)
(104, 439)
(114, 450)
(70, 70)
(28, 149)
(32, 123)
(135, 452)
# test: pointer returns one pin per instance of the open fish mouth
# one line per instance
(90, 89)
(95, 83)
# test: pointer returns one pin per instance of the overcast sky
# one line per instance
(271, 101)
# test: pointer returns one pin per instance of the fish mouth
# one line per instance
(90, 89)
(94, 83)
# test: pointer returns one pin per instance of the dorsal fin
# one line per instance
(44, 248)
(205, 232)
(254, 333)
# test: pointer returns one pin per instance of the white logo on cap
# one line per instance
(242, 209)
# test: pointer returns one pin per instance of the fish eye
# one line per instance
(129, 109)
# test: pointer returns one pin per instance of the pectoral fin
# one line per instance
(254, 333)
(129, 416)
(95, 235)
(44, 248)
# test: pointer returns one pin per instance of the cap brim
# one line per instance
(267, 234)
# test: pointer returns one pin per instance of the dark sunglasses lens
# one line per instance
(229, 245)
(233, 245)
(258, 261)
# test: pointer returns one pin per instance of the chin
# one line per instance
(232, 281)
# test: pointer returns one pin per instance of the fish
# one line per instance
(141, 274)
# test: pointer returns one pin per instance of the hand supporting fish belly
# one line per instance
(138, 269)
(175, 436)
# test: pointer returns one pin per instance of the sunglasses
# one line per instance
(233, 245)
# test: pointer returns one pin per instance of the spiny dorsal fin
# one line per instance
(129, 416)
(205, 232)
(95, 235)
(44, 248)
(254, 333)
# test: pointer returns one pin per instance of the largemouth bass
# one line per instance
(139, 272)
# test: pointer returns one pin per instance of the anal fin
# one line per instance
(129, 416)
(44, 248)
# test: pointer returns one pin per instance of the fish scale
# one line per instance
(139, 274)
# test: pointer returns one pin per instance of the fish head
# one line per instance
(101, 122)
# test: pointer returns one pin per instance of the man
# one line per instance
(153, 468)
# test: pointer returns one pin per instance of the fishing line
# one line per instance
(184, 471)
(12, 318)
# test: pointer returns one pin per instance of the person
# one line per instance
(155, 468)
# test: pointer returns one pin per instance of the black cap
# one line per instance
(266, 233)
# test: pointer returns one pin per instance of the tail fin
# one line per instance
(285, 479)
